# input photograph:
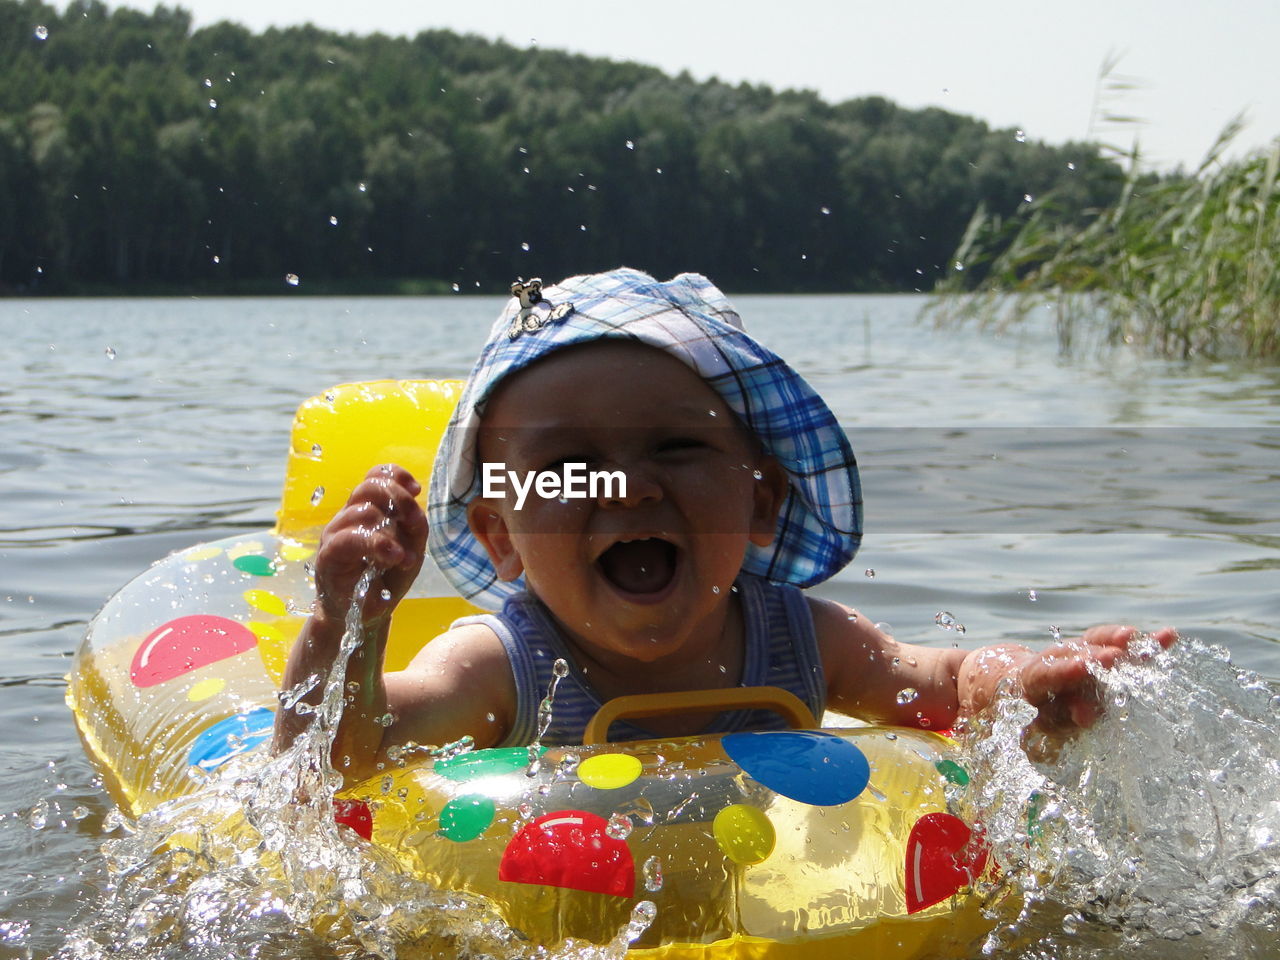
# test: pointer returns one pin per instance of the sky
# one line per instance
(1025, 64)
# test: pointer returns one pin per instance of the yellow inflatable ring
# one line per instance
(799, 843)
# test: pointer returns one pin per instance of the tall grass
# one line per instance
(1185, 265)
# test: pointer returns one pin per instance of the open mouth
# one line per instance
(640, 567)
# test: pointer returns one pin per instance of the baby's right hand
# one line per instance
(381, 526)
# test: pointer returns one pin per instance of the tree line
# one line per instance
(138, 154)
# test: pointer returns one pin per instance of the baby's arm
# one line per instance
(382, 526)
(872, 676)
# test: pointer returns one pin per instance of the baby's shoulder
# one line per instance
(465, 646)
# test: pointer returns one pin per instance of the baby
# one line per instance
(641, 490)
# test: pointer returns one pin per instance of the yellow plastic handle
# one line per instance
(782, 702)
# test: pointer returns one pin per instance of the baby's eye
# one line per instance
(680, 444)
(557, 466)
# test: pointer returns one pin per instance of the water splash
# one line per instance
(559, 670)
(1156, 834)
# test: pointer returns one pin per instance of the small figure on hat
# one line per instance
(638, 488)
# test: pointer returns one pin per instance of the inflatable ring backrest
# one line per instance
(180, 668)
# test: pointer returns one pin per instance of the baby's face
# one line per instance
(636, 575)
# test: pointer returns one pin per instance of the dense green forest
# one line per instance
(139, 155)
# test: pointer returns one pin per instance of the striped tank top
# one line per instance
(781, 650)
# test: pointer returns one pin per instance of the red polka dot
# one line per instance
(942, 858)
(355, 814)
(186, 644)
(569, 848)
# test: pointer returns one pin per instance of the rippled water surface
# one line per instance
(1016, 491)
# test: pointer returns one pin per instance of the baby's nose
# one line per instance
(631, 486)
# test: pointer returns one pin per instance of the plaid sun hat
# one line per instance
(820, 521)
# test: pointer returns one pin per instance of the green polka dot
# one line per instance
(465, 818)
(1035, 803)
(257, 565)
(953, 772)
(485, 763)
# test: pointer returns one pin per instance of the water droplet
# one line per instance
(316, 450)
(385, 594)
(208, 82)
(1070, 165)
(652, 873)
(353, 686)
(525, 246)
(853, 617)
(948, 622)
(884, 628)
(333, 221)
(490, 717)
(958, 265)
(642, 915)
(907, 695)
(757, 474)
(362, 186)
(525, 809)
(1032, 596)
(1055, 632)
(456, 287)
(869, 573)
(631, 145)
(39, 815)
(317, 495)
(216, 258)
(213, 104)
(923, 721)
(80, 812)
(1020, 136)
(111, 353)
(826, 211)
(292, 279)
(619, 826)
(560, 668)
(715, 589)
(42, 32)
(386, 720)
(1027, 198)
(582, 227)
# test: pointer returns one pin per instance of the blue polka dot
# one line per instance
(227, 738)
(810, 767)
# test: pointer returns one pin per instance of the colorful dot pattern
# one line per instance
(568, 848)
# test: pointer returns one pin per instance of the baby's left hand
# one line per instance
(1056, 680)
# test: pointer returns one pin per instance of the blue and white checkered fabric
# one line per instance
(820, 523)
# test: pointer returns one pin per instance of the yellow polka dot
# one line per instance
(206, 688)
(744, 834)
(293, 550)
(244, 547)
(196, 554)
(608, 771)
(266, 601)
(273, 645)
(266, 632)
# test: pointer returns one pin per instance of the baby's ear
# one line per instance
(490, 528)
(770, 490)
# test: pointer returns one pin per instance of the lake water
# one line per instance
(1015, 489)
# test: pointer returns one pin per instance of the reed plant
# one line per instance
(1185, 265)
